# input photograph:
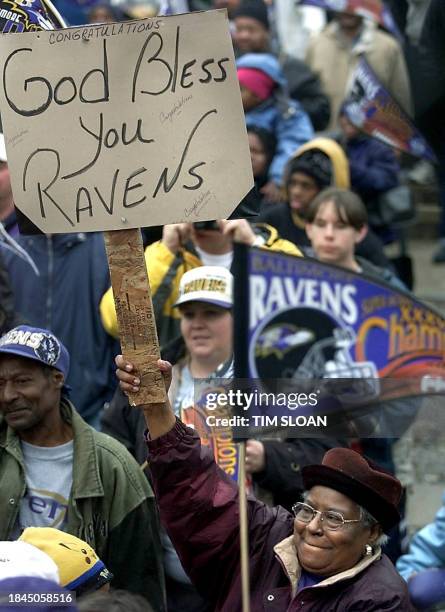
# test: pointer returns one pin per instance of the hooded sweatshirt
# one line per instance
(284, 117)
(291, 226)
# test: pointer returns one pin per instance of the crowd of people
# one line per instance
(123, 507)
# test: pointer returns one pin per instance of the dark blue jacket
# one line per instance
(373, 166)
(65, 299)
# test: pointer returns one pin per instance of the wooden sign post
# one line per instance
(120, 126)
(134, 310)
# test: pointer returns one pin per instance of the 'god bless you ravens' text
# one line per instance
(158, 68)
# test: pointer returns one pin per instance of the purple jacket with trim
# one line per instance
(199, 507)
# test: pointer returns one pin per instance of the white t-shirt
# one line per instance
(49, 478)
(207, 259)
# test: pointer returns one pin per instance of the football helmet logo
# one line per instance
(305, 343)
(316, 364)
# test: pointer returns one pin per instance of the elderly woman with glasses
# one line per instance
(325, 558)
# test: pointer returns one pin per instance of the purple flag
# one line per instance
(370, 107)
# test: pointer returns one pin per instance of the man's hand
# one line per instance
(255, 456)
(271, 192)
(239, 229)
(129, 381)
(174, 236)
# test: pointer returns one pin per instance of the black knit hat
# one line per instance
(316, 164)
(255, 9)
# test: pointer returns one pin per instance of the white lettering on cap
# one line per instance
(23, 338)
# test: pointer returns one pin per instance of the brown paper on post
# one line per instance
(125, 125)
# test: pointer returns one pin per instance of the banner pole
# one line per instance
(244, 533)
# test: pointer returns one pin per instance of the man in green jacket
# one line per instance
(57, 471)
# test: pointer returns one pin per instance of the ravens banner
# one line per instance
(300, 323)
(371, 108)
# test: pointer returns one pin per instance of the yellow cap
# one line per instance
(80, 569)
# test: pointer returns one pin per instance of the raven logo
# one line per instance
(48, 350)
(279, 339)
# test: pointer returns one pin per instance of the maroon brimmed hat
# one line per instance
(361, 480)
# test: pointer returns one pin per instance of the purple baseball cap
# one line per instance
(38, 344)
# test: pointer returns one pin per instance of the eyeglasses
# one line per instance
(331, 520)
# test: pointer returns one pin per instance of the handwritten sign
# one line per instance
(125, 125)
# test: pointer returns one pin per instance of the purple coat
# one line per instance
(199, 507)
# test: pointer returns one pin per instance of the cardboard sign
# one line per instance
(125, 125)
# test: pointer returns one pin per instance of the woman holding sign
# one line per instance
(325, 557)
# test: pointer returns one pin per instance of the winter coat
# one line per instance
(165, 270)
(333, 59)
(199, 507)
(373, 166)
(11, 225)
(291, 226)
(9, 318)
(282, 116)
(65, 299)
(381, 274)
(426, 549)
(111, 505)
(305, 87)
